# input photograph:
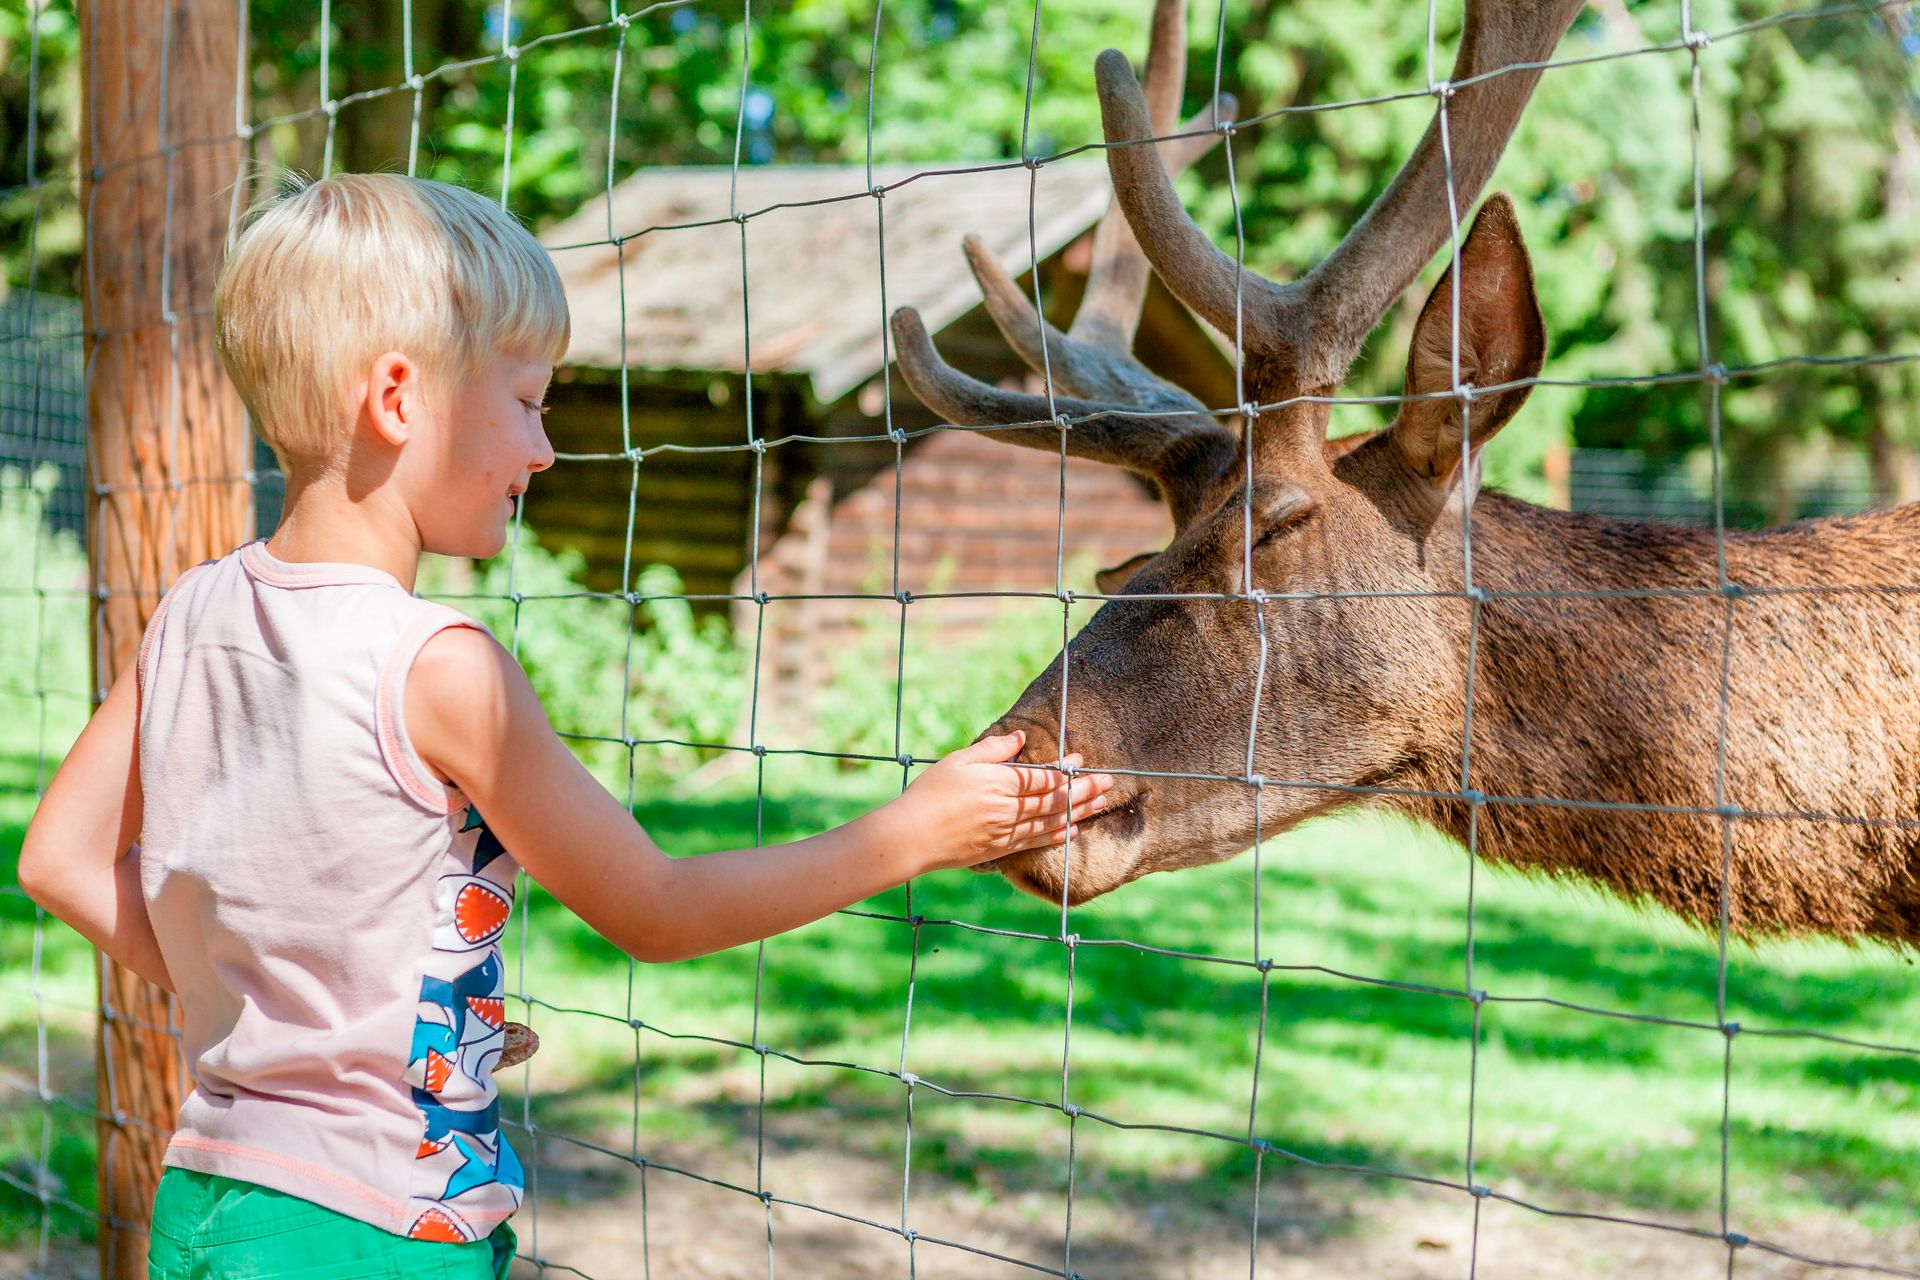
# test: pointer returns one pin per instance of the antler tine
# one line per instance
(1080, 366)
(1117, 282)
(1093, 358)
(1403, 229)
(1316, 325)
(1181, 454)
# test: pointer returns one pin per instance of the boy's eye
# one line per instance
(538, 406)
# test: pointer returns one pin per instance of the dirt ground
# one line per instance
(1319, 1225)
(589, 1214)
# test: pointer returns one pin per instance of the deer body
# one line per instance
(1617, 699)
(1595, 663)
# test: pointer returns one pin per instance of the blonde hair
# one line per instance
(334, 272)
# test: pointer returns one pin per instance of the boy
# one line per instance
(305, 750)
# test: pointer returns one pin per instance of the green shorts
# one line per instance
(206, 1227)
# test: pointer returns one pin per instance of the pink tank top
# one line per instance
(330, 912)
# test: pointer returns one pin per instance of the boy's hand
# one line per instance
(971, 807)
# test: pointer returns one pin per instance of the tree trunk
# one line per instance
(167, 453)
(1892, 459)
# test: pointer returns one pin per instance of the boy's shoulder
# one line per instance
(463, 694)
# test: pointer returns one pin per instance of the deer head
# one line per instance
(1348, 678)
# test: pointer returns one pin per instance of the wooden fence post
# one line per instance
(167, 449)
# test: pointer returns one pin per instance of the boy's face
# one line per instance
(491, 440)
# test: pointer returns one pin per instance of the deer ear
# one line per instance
(1110, 581)
(1502, 339)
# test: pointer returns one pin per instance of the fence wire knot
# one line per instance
(1442, 89)
(1698, 40)
(896, 435)
(1737, 1240)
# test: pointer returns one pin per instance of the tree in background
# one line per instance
(1810, 163)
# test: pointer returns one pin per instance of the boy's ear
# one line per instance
(391, 396)
(1502, 339)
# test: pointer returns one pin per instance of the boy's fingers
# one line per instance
(1083, 797)
(1088, 807)
(1034, 780)
(1002, 746)
(1091, 786)
(1038, 805)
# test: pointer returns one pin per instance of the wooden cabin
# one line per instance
(699, 334)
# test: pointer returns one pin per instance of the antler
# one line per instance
(1181, 452)
(1305, 334)
(1184, 447)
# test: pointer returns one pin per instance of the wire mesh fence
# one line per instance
(899, 1103)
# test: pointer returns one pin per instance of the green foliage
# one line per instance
(943, 693)
(1810, 151)
(679, 678)
(43, 631)
(40, 234)
(687, 677)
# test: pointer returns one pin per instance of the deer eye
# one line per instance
(1287, 522)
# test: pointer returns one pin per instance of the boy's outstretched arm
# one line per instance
(79, 859)
(473, 717)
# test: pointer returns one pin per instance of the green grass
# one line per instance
(1572, 1110)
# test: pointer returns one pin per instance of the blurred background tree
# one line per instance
(1810, 163)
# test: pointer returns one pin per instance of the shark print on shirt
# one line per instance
(466, 1176)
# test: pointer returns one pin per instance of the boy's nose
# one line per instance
(544, 458)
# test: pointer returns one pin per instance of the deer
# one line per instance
(1725, 725)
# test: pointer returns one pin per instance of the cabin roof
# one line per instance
(813, 263)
